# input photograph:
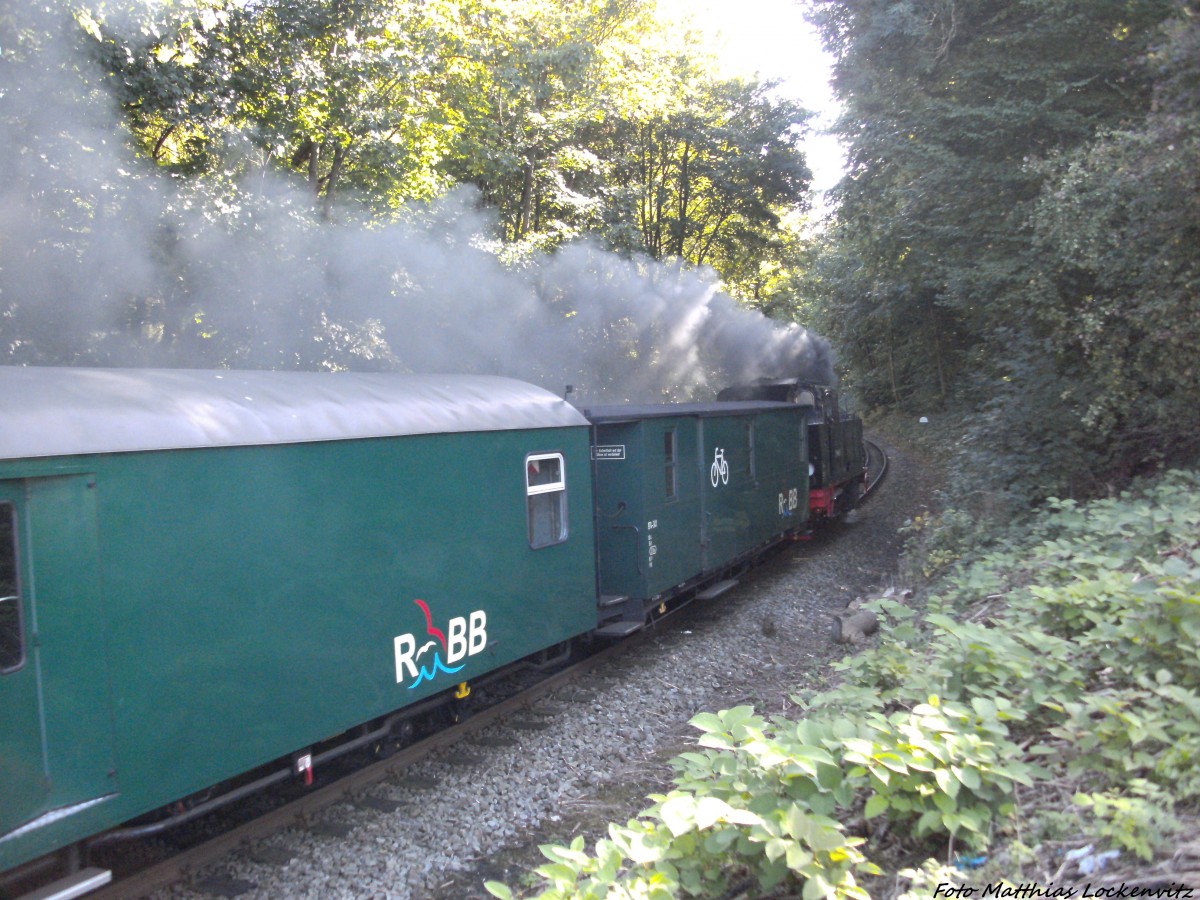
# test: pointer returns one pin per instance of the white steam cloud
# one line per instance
(106, 261)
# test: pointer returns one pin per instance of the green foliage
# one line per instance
(1136, 818)
(569, 119)
(343, 96)
(1015, 240)
(540, 84)
(763, 798)
(1091, 638)
(1064, 648)
(142, 141)
(1078, 628)
(925, 881)
(757, 801)
(940, 768)
(1115, 580)
(1117, 229)
(936, 541)
(711, 171)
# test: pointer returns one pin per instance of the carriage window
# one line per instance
(12, 650)
(546, 490)
(669, 462)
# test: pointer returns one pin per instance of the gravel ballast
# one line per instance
(478, 812)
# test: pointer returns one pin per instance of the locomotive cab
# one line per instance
(835, 450)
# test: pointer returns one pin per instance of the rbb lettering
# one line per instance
(456, 649)
(406, 645)
(421, 659)
(478, 634)
(463, 641)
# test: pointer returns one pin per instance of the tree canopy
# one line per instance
(564, 116)
(1016, 235)
(186, 143)
(228, 182)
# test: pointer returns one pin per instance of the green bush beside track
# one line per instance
(1044, 695)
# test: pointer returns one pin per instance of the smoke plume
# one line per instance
(105, 260)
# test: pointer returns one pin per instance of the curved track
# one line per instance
(876, 465)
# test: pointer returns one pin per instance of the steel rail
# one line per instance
(874, 476)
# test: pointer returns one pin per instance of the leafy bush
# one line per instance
(761, 801)
(1136, 818)
(940, 769)
(936, 542)
(1070, 647)
(756, 803)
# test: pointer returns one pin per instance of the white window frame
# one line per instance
(538, 490)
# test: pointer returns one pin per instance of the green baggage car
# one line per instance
(205, 574)
(686, 493)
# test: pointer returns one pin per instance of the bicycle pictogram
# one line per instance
(720, 468)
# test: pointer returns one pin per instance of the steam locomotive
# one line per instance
(204, 575)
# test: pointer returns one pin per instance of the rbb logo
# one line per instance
(464, 637)
(467, 640)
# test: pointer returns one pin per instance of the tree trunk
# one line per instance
(937, 355)
(314, 167)
(892, 373)
(335, 172)
(685, 190)
(891, 358)
(524, 213)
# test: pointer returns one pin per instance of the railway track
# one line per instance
(355, 789)
(877, 462)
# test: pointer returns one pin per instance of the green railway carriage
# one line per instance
(835, 440)
(202, 572)
(684, 492)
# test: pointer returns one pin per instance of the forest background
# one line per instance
(286, 184)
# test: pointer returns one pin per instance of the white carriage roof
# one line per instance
(635, 412)
(71, 411)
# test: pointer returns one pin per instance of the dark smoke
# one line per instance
(106, 261)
